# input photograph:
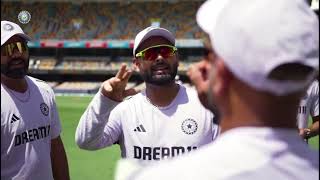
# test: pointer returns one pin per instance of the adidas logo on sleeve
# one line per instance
(14, 118)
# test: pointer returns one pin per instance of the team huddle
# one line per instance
(245, 118)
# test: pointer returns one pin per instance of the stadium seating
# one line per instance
(77, 87)
(42, 63)
(113, 20)
(104, 21)
(90, 64)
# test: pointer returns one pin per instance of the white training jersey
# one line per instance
(145, 132)
(238, 154)
(309, 105)
(28, 123)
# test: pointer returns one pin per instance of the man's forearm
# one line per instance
(60, 168)
(89, 132)
(314, 129)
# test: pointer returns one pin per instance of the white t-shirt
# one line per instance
(239, 154)
(28, 123)
(145, 132)
(309, 105)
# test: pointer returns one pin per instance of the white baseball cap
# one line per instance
(255, 37)
(152, 31)
(9, 29)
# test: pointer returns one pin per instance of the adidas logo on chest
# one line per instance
(139, 128)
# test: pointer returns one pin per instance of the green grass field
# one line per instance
(83, 165)
(92, 165)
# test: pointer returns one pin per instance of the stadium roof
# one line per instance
(314, 4)
(82, 1)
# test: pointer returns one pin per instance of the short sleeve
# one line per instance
(314, 111)
(55, 119)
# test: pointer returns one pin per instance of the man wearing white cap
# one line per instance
(264, 55)
(31, 147)
(163, 121)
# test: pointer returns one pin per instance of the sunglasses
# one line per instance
(8, 49)
(151, 53)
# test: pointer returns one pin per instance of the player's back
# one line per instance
(244, 154)
(266, 153)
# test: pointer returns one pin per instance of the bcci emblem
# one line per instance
(8, 27)
(24, 17)
(189, 126)
(44, 109)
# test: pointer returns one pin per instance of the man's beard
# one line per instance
(15, 73)
(160, 79)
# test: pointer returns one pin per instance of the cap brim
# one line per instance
(24, 36)
(208, 14)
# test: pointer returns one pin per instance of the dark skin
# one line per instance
(19, 85)
(199, 74)
(60, 168)
(159, 95)
(311, 131)
(59, 161)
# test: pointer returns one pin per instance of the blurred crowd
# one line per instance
(87, 21)
(88, 64)
(116, 20)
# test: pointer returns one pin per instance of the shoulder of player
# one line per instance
(190, 91)
(127, 103)
(316, 85)
(193, 97)
(130, 99)
(314, 88)
(187, 87)
(41, 84)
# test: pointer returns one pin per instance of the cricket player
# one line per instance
(263, 56)
(31, 147)
(309, 106)
(163, 121)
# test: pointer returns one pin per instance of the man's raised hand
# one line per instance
(115, 87)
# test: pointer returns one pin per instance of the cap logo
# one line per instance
(8, 27)
(24, 17)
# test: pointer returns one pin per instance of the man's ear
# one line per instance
(136, 65)
(223, 78)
